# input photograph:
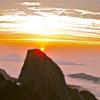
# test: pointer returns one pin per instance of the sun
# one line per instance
(42, 48)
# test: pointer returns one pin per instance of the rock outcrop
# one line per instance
(43, 78)
(40, 79)
(6, 76)
(10, 91)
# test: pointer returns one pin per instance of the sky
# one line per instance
(53, 20)
(67, 30)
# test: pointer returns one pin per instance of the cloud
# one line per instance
(35, 16)
(66, 12)
(62, 62)
(6, 22)
(12, 57)
(31, 3)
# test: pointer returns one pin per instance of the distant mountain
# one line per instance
(62, 62)
(40, 79)
(86, 77)
(12, 57)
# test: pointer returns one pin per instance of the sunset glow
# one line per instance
(42, 48)
(49, 23)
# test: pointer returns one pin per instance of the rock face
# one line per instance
(40, 79)
(38, 65)
(43, 78)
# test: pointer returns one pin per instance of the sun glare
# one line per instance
(42, 48)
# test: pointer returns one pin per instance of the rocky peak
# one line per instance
(43, 76)
(37, 64)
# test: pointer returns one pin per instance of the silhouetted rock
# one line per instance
(81, 95)
(40, 79)
(43, 78)
(11, 91)
(75, 95)
(87, 95)
(6, 76)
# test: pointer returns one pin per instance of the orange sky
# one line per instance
(49, 21)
